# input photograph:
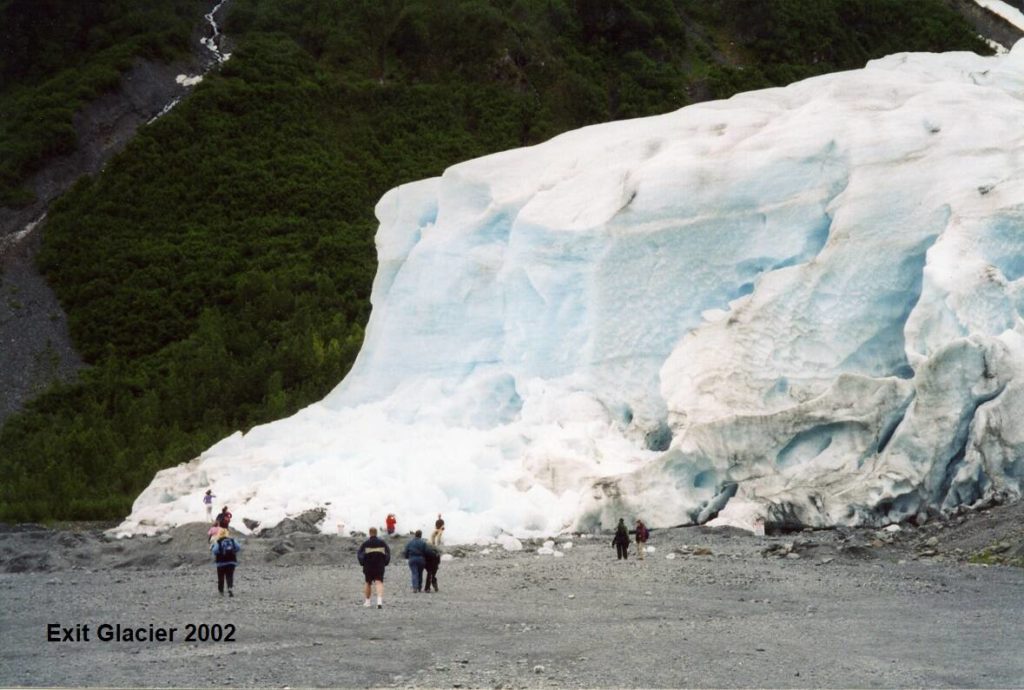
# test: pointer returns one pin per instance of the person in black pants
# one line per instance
(621, 540)
(225, 554)
(432, 561)
(374, 555)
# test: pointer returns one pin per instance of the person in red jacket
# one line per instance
(390, 522)
(642, 535)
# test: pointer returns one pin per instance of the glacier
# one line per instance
(800, 306)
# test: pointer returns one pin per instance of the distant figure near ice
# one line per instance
(621, 540)
(435, 537)
(223, 518)
(208, 502)
(390, 523)
(642, 534)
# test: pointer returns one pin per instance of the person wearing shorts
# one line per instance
(374, 555)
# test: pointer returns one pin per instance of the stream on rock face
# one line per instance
(213, 44)
(36, 345)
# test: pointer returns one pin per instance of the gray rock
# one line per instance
(283, 547)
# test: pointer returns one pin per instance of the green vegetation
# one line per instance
(1000, 553)
(60, 54)
(217, 274)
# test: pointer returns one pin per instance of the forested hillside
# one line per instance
(56, 55)
(217, 274)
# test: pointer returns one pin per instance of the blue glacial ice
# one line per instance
(800, 305)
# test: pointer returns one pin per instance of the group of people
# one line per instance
(374, 554)
(621, 539)
(390, 522)
(424, 557)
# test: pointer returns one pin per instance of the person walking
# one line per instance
(390, 523)
(621, 540)
(435, 538)
(374, 555)
(416, 553)
(225, 554)
(642, 535)
(432, 561)
(223, 518)
(208, 502)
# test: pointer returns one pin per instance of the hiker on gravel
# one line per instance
(225, 554)
(435, 538)
(390, 523)
(224, 518)
(621, 540)
(642, 535)
(416, 552)
(374, 555)
(432, 561)
(208, 502)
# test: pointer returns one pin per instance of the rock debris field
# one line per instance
(932, 605)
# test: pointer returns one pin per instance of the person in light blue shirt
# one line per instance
(208, 502)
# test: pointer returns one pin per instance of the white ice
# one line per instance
(800, 305)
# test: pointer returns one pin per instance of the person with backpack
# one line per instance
(621, 540)
(224, 518)
(432, 561)
(374, 555)
(225, 554)
(416, 553)
(642, 535)
(390, 523)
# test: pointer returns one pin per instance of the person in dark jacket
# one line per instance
(416, 552)
(223, 518)
(374, 555)
(621, 540)
(225, 554)
(432, 562)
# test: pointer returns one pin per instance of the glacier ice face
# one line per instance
(801, 305)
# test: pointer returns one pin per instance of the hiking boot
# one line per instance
(230, 593)
(366, 604)
(380, 606)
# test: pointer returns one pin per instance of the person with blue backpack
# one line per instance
(225, 554)
(416, 552)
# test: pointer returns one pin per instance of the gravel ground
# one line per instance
(837, 608)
